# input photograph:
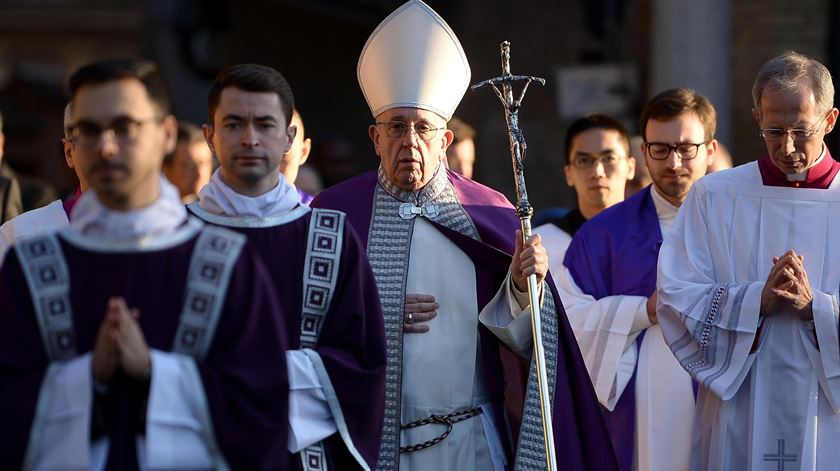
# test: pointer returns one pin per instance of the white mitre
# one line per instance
(413, 60)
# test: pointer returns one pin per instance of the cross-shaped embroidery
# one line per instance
(780, 457)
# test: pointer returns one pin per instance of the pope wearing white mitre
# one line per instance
(460, 390)
(748, 287)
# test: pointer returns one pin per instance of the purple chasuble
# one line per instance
(581, 438)
(615, 253)
(351, 343)
(245, 386)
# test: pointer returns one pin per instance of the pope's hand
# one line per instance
(528, 259)
(418, 308)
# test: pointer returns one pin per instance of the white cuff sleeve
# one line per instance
(503, 316)
(178, 433)
(310, 419)
(641, 320)
(60, 434)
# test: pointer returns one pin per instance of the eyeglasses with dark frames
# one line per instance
(683, 150)
(124, 129)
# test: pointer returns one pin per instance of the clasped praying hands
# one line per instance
(120, 345)
(788, 284)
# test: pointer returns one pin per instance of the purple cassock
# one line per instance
(245, 388)
(615, 253)
(342, 317)
(482, 223)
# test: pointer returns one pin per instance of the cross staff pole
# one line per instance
(524, 211)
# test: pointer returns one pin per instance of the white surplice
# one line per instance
(556, 241)
(606, 330)
(776, 407)
(49, 218)
(442, 371)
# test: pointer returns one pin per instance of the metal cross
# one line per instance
(780, 458)
(518, 147)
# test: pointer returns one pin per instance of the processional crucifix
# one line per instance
(524, 211)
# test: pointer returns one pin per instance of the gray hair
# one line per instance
(68, 117)
(788, 71)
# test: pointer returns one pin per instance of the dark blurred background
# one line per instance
(597, 55)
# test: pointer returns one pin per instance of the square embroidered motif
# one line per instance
(320, 268)
(210, 272)
(325, 243)
(316, 297)
(219, 244)
(327, 221)
(310, 324)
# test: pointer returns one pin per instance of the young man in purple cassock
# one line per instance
(608, 286)
(137, 338)
(318, 266)
(451, 271)
(748, 286)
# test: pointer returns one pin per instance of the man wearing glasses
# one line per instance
(598, 167)
(451, 273)
(609, 290)
(748, 286)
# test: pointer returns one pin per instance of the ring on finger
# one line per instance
(410, 319)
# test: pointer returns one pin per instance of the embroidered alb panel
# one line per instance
(389, 241)
(48, 279)
(211, 264)
(530, 454)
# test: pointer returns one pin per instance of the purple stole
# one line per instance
(615, 253)
(580, 434)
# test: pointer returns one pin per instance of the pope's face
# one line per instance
(793, 109)
(408, 160)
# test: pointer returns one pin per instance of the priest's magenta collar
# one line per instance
(819, 176)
